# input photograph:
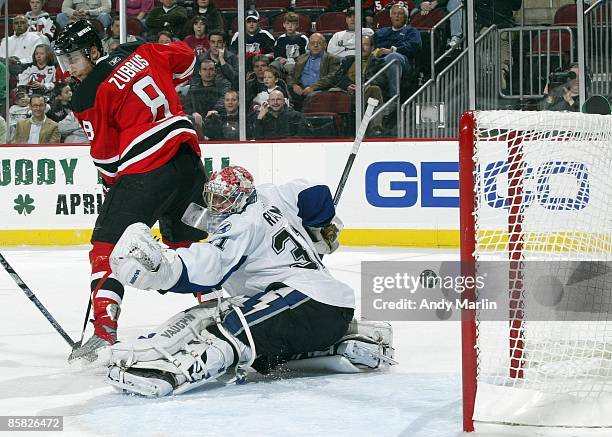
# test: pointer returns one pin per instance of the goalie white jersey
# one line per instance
(267, 244)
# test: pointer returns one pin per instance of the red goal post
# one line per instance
(536, 186)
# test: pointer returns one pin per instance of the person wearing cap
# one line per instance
(342, 43)
(399, 42)
(258, 41)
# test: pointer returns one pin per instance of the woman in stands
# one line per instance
(41, 75)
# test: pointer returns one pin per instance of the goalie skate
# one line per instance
(366, 346)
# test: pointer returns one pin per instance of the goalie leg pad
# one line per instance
(197, 363)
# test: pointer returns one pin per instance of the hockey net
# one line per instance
(536, 194)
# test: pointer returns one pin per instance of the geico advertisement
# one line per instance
(392, 185)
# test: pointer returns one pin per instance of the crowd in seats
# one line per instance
(301, 49)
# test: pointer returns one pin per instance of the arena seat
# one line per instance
(331, 22)
(565, 16)
(311, 7)
(53, 7)
(328, 101)
(271, 5)
(325, 124)
(18, 7)
(226, 5)
(426, 22)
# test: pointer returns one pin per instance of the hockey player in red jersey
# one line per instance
(143, 145)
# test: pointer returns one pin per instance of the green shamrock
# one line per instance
(24, 205)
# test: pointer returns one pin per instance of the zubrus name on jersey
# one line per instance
(128, 70)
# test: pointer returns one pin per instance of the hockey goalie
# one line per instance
(276, 302)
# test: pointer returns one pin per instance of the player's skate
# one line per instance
(95, 352)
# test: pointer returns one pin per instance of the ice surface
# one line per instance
(419, 397)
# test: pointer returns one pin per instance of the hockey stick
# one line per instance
(35, 300)
(372, 103)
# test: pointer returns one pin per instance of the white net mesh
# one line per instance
(543, 184)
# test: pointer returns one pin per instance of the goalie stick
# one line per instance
(30, 294)
(372, 104)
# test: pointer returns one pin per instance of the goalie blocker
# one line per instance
(262, 252)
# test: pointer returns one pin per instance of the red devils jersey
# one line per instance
(130, 111)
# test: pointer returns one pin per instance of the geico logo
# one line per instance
(555, 185)
(398, 184)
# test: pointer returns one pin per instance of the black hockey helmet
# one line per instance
(78, 36)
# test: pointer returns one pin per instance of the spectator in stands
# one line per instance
(138, 8)
(223, 124)
(40, 76)
(107, 43)
(371, 65)
(60, 106)
(564, 96)
(272, 81)
(207, 9)
(37, 129)
(226, 63)
(165, 37)
(168, 16)
(206, 95)
(21, 45)
(500, 13)
(399, 42)
(289, 45)
(20, 110)
(39, 20)
(198, 38)
(314, 71)
(276, 120)
(342, 43)
(71, 131)
(258, 41)
(424, 7)
(73, 10)
(255, 83)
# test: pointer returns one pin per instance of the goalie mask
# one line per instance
(227, 192)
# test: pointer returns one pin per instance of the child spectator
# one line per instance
(208, 10)
(39, 21)
(198, 39)
(20, 110)
(40, 76)
(289, 45)
(258, 41)
(60, 107)
(71, 131)
(272, 81)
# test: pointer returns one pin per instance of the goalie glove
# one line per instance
(142, 262)
(325, 239)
